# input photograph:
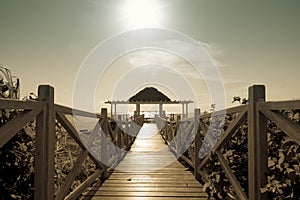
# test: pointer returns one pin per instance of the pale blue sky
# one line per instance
(251, 41)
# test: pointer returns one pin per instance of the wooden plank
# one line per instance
(138, 181)
(150, 194)
(151, 171)
(173, 168)
(159, 173)
(169, 169)
(150, 189)
(170, 184)
(157, 177)
(146, 198)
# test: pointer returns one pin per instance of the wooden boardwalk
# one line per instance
(149, 171)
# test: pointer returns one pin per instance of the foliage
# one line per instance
(283, 162)
(16, 158)
(66, 153)
(234, 152)
(17, 161)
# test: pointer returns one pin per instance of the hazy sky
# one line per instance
(250, 41)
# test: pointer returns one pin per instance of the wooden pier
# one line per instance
(149, 171)
(145, 166)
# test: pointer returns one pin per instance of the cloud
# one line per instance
(215, 51)
(164, 59)
(212, 48)
(201, 54)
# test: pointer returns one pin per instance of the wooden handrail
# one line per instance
(75, 112)
(18, 104)
(280, 105)
(232, 110)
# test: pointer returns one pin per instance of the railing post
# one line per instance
(119, 126)
(142, 120)
(178, 120)
(169, 130)
(103, 148)
(45, 143)
(126, 134)
(178, 134)
(166, 130)
(257, 144)
(197, 142)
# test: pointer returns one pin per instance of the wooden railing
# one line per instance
(178, 134)
(47, 114)
(204, 147)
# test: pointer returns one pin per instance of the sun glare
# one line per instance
(142, 13)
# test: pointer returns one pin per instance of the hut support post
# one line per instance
(160, 109)
(186, 110)
(138, 109)
(115, 111)
(182, 109)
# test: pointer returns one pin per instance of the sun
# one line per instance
(142, 13)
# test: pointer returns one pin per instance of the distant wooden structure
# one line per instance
(150, 95)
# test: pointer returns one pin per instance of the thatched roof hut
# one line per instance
(149, 94)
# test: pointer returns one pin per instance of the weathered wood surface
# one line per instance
(149, 171)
